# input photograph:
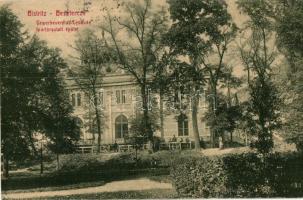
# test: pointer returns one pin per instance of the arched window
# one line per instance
(121, 126)
(182, 125)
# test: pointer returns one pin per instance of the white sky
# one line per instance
(62, 40)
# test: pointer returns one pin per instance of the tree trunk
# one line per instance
(161, 115)
(147, 128)
(97, 120)
(5, 167)
(214, 134)
(195, 103)
(41, 159)
(32, 145)
(228, 106)
(248, 75)
(57, 161)
(91, 125)
(228, 95)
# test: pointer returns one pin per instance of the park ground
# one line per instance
(144, 181)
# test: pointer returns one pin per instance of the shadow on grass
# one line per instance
(144, 194)
(64, 179)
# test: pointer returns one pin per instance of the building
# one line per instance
(119, 101)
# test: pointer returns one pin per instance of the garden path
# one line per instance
(115, 186)
(217, 151)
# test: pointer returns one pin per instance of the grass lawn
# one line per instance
(144, 194)
(160, 178)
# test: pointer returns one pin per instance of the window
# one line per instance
(79, 99)
(182, 125)
(118, 100)
(101, 95)
(181, 99)
(177, 97)
(120, 96)
(73, 100)
(121, 126)
(123, 96)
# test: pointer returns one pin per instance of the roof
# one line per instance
(106, 81)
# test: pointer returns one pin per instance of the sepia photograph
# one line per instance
(151, 99)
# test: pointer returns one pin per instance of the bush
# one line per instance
(198, 177)
(239, 175)
(86, 163)
(167, 158)
(92, 162)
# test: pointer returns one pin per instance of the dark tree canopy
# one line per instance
(33, 99)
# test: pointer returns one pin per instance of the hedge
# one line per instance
(84, 163)
(239, 175)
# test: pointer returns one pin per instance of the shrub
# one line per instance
(198, 177)
(239, 175)
(92, 162)
(167, 158)
(87, 162)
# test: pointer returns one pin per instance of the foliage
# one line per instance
(91, 63)
(289, 25)
(228, 112)
(137, 131)
(32, 92)
(238, 175)
(264, 107)
(227, 116)
(137, 124)
(200, 29)
(59, 126)
(80, 163)
(189, 182)
(144, 24)
(85, 168)
(289, 40)
(264, 103)
(15, 91)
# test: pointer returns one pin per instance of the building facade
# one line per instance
(119, 102)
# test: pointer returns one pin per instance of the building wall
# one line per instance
(112, 109)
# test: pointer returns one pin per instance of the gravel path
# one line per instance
(115, 186)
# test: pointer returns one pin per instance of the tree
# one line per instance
(89, 69)
(227, 117)
(201, 29)
(164, 82)
(233, 106)
(138, 54)
(18, 96)
(289, 27)
(228, 110)
(264, 99)
(57, 122)
(30, 87)
(136, 135)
